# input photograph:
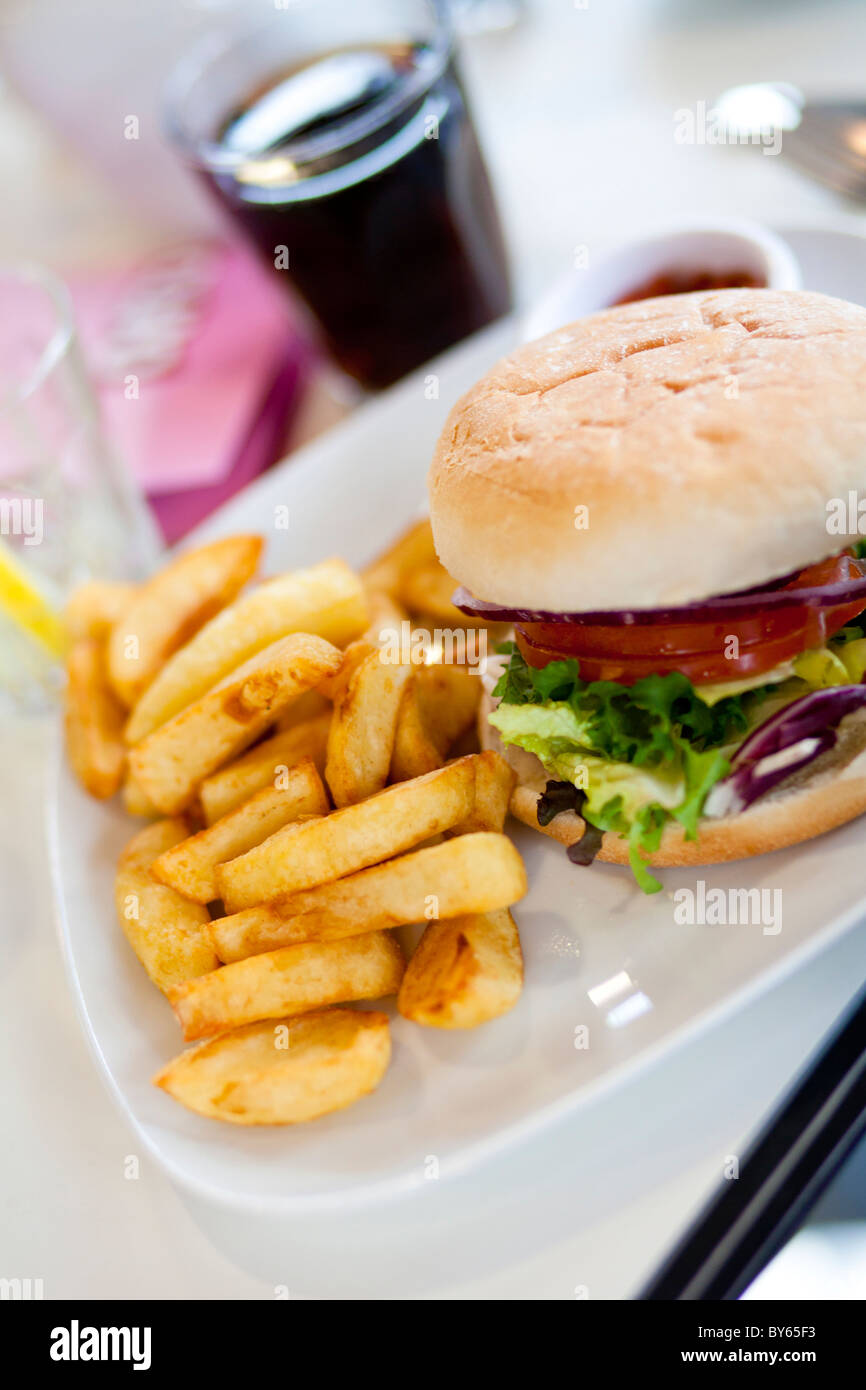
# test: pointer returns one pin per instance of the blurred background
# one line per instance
(126, 183)
(576, 104)
(197, 369)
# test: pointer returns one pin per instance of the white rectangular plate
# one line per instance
(459, 1096)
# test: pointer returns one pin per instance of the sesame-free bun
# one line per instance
(827, 793)
(657, 453)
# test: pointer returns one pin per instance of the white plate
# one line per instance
(460, 1097)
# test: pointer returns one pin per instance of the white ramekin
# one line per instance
(717, 248)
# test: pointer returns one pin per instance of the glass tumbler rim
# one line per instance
(208, 154)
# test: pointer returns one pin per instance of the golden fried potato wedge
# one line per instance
(135, 803)
(465, 641)
(190, 866)
(327, 601)
(495, 780)
(93, 721)
(283, 1073)
(464, 972)
(361, 737)
(355, 653)
(414, 751)
(304, 855)
(439, 704)
(428, 589)
(467, 743)
(414, 548)
(172, 606)
(266, 765)
(385, 615)
(293, 980)
(170, 935)
(171, 762)
(473, 873)
(93, 608)
(308, 706)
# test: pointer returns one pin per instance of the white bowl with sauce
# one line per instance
(709, 256)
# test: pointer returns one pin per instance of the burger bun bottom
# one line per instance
(828, 793)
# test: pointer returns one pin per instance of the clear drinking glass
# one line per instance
(67, 510)
(340, 138)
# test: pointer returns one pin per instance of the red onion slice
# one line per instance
(783, 744)
(721, 607)
(803, 718)
(753, 780)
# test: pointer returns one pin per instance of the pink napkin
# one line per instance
(198, 367)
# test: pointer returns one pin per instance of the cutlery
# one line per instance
(824, 138)
(782, 1175)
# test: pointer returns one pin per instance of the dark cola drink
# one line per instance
(358, 176)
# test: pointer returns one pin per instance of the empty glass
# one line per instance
(67, 510)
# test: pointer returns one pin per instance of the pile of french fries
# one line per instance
(306, 794)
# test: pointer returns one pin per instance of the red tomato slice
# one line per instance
(744, 645)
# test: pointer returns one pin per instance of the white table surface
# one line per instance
(576, 109)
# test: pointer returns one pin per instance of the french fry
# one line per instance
(327, 601)
(266, 765)
(171, 762)
(172, 606)
(464, 972)
(355, 653)
(189, 867)
(384, 614)
(307, 706)
(94, 721)
(361, 737)
(495, 780)
(439, 704)
(135, 803)
(294, 980)
(414, 749)
(466, 640)
(428, 589)
(467, 743)
(170, 936)
(473, 873)
(414, 548)
(283, 1073)
(93, 608)
(302, 856)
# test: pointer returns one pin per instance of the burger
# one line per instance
(663, 501)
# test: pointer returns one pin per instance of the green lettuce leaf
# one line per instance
(702, 771)
(642, 753)
(627, 723)
(651, 751)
